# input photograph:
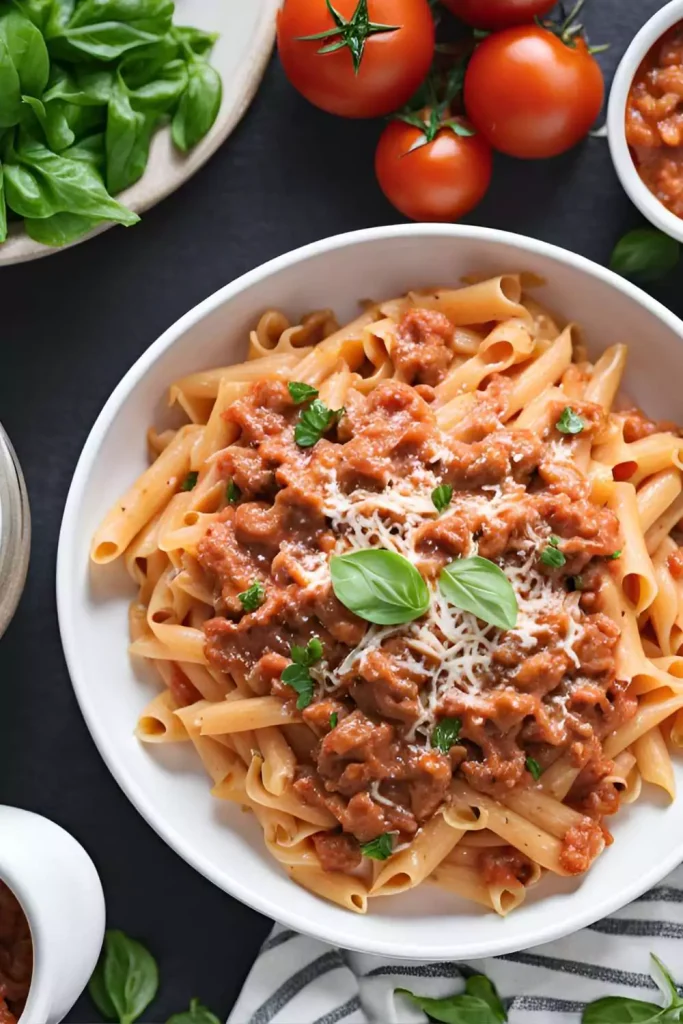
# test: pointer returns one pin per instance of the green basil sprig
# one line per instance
(253, 597)
(478, 1004)
(197, 1014)
(442, 497)
(445, 734)
(645, 254)
(621, 1009)
(479, 586)
(380, 848)
(298, 676)
(379, 586)
(314, 422)
(534, 768)
(569, 422)
(301, 392)
(125, 980)
(551, 555)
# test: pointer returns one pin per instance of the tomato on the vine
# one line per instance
(493, 14)
(532, 93)
(433, 170)
(356, 58)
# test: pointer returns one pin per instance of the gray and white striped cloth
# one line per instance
(297, 980)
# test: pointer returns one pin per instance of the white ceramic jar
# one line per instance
(15, 531)
(60, 892)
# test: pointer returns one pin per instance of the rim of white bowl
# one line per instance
(633, 185)
(288, 914)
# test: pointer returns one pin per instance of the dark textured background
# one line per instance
(73, 324)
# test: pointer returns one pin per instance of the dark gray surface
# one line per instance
(71, 326)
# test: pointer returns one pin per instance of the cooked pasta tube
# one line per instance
(654, 761)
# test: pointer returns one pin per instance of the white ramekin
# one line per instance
(60, 892)
(15, 531)
(635, 187)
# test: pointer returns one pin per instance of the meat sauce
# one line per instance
(16, 957)
(540, 693)
(654, 119)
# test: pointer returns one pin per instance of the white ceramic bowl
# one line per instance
(60, 893)
(633, 184)
(166, 784)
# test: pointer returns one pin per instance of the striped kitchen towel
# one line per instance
(297, 980)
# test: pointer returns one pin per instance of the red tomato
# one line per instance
(391, 64)
(441, 180)
(530, 94)
(498, 13)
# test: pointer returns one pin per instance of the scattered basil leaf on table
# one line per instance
(125, 980)
(442, 496)
(478, 1004)
(445, 734)
(199, 105)
(253, 597)
(313, 422)
(300, 392)
(379, 586)
(646, 254)
(197, 1014)
(379, 848)
(479, 586)
(569, 422)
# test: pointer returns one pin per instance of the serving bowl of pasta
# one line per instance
(377, 544)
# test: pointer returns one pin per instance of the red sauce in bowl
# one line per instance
(654, 119)
(16, 957)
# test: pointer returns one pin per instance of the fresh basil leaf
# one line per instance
(300, 679)
(534, 768)
(552, 556)
(445, 734)
(127, 140)
(569, 422)
(232, 492)
(308, 655)
(301, 392)
(481, 587)
(90, 150)
(106, 42)
(84, 86)
(199, 41)
(334, 718)
(198, 106)
(441, 497)
(97, 990)
(646, 254)
(190, 481)
(10, 89)
(53, 122)
(73, 185)
(253, 597)
(197, 1014)
(144, 64)
(379, 848)
(37, 10)
(478, 985)
(131, 977)
(161, 93)
(60, 229)
(622, 1010)
(27, 50)
(59, 16)
(3, 208)
(25, 192)
(458, 1009)
(313, 422)
(379, 586)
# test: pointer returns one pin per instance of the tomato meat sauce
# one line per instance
(543, 690)
(16, 957)
(654, 120)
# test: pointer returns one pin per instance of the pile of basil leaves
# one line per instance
(84, 84)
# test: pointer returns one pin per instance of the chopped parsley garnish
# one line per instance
(552, 556)
(570, 422)
(575, 583)
(301, 392)
(232, 492)
(613, 556)
(379, 848)
(445, 734)
(313, 422)
(189, 482)
(441, 497)
(253, 597)
(534, 768)
(334, 718)
(297, 674)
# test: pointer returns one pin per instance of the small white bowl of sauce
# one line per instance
(645, 120)
(15, 531)
(51, 919)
